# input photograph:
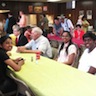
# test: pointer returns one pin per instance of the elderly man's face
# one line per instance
(35, 35)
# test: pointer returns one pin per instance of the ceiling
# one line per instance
(39, 1)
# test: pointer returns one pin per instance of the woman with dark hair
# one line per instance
(78, 32)
(67, 52)
(6, 83)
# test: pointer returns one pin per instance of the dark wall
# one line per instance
(54, 8)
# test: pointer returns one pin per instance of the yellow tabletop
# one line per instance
(50, 78)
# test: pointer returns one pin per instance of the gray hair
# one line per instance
(16, 27)
(38, 30)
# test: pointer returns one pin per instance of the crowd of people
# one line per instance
(33, 40)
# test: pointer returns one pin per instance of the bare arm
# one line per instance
(14, 65)
(24, 50)
(54, 31)
(70, 60)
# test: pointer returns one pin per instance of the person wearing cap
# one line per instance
(39, 43)
(66, 23)
(88, 65)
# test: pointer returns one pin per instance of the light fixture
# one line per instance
(53, 0)
(4, 11)
(73, 4)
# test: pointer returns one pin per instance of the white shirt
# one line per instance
(87, 60)
(67, 25)
(63, 57)
(41, 44)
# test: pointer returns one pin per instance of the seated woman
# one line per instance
(6, 83)
(67, 51)
(78, 32)
(20, 38)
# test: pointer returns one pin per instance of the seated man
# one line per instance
(39, 43)
(87, 62)
(57, 28)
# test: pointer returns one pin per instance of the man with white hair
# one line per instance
(39, 43)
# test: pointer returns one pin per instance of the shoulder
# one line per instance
(72, 46)
(43, 38)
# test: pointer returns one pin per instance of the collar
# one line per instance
(66, 44)
(38, 39)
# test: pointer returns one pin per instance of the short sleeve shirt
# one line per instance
(41, 44)
(63, 57)
(67, 25)
(57, 28)
(87, 60)
(3, 65)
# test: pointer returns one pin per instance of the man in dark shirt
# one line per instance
(9, 24)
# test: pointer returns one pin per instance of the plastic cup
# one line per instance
(38, 55)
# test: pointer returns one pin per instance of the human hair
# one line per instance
(44, 15)
(90, 35)
(78, 25)
(83, 17)
(28, 27)
(4, 38)
(37, 29)
(56, 18)
(70, 42)
(10, 13)
(17, 27)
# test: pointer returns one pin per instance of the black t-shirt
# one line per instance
(3, 65)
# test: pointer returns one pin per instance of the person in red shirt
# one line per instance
(27, 33)
(78, 32)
